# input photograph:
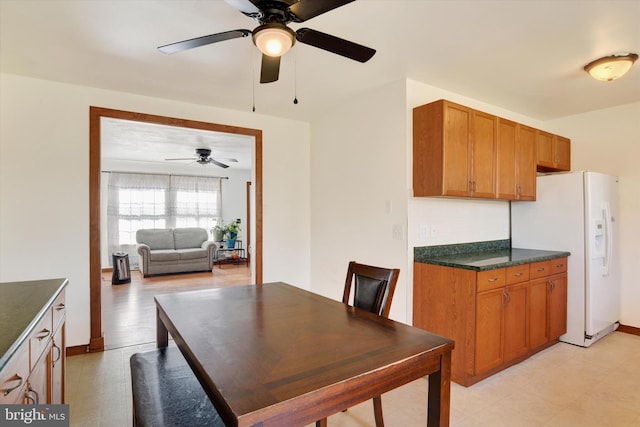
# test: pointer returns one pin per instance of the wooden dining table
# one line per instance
(277, 355)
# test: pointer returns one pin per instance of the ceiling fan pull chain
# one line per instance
(295, 78)
(253, 83)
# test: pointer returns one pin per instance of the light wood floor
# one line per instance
(128, 310)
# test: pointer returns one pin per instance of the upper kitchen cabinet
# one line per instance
(515, 161)
(453, 151)
(554, 152)
(462, 152)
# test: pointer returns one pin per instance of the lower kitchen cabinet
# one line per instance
(497, 317)
(35, 373)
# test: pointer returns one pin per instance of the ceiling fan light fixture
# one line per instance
(274, 39)
(611, 67)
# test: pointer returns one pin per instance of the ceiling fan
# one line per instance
(204, 158)
(274, 38)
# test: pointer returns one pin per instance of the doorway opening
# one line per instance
(95, 264)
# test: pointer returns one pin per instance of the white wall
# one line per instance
(608, 141)
(358, 191)
(44, 187)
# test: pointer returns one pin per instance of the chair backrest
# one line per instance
(373, 287)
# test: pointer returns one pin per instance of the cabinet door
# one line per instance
(538, 331)
(516, 334)
(562, 153)
(557, 305)
(489, 329)
(483, 155)
(457, 147)
(58, 366)
(526, 163)
(38, 385)
(506, 160)
(544, 143)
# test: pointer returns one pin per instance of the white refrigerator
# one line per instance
(577, 212)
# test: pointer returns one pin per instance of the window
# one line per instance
(191, 206)
(139, 209)
(138, 201)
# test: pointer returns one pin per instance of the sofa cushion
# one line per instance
(192, 253)
(164, 255)
(156, 238)
(188, 238)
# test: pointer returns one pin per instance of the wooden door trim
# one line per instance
(96, 342)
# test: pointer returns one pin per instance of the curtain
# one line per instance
(194, 201)
(136, 201)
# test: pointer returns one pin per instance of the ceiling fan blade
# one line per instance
(270, 69)
(217, 163)
(334, 44)
(186, 158)
(247, 7)
(227, 159)
(202, 41)
(307, 9)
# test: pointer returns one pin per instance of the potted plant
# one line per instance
(218, 233)
(231, 230)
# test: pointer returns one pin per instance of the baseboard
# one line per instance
(629, 330)
(77, 350)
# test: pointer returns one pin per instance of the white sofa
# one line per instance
(165, 251)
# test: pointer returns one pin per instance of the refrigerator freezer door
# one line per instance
(556, 221)
(602, 281)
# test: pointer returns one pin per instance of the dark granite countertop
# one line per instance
(481, 256)
(22, 305)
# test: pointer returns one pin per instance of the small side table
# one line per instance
(225, 255)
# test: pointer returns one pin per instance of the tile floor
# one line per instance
(562, 386)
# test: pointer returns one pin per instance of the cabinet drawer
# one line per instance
(59, 310)
(13, 378)
(39, 340)
(540, 269)
(558, 265)
(491, 279)
(517, 274)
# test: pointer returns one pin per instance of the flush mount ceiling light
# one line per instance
(274, 39)
(611, 67)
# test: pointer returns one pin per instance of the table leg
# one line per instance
(439, 401)
(162, 334)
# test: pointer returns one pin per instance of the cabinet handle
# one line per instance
(27, 396)
(560, 265)
(56, 359)
(45, 333)
(20, 380)
(552, 285)
(470, 186)
(540, 270)
(37, 399)
(507, 298)
(493, 279)
(518, 274)
(60, 307)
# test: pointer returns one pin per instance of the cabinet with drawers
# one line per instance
(497, 317)
(33, 367)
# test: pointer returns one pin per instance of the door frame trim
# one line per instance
(96, 342)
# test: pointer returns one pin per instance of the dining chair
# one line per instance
(373, 289)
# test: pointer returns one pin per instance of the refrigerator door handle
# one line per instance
(608, 235)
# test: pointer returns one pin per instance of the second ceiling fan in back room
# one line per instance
(274, 38)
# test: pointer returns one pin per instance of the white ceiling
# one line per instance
(524, 56)
(147, 142)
